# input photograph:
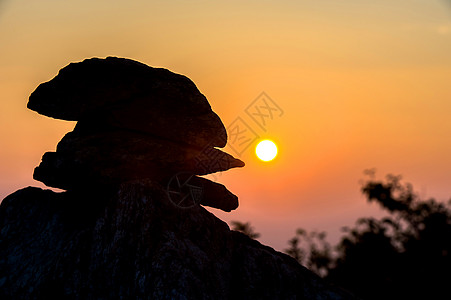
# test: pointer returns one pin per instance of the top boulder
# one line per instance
(126, 94)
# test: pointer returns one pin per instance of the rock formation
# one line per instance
(129, 225)
(134, 122)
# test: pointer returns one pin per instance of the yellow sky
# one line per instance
(362, 84)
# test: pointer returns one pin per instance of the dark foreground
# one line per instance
(132, 242)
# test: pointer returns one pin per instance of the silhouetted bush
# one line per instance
(405, 255)
(245, 228)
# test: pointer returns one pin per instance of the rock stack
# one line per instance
(133, 122)
(116, 232)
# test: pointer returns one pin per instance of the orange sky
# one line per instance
(362, 84)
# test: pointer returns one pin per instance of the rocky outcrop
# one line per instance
(130, 224)
(132, 242)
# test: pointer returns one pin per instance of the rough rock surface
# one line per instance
(126, 243)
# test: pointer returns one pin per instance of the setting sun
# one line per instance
(266, 150)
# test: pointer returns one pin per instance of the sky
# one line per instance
(358, 84)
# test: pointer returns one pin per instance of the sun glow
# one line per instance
(266, 150)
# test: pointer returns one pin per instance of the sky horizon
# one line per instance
(359, 85)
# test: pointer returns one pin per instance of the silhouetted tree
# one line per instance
(405, 255)
(316, 254)
(295, 250)
(245, 228)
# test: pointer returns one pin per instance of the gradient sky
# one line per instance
(363, 84)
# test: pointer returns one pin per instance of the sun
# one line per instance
(266, 150)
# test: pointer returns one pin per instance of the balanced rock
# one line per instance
(129, 225)
(127, 94)
(135, 122)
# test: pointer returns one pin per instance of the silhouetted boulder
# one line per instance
(134, 122)
(127, 94)
(132, 242)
